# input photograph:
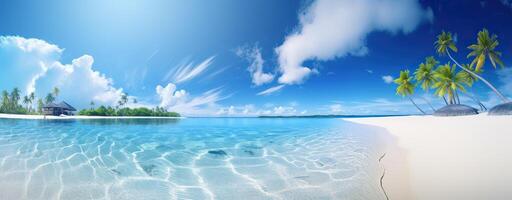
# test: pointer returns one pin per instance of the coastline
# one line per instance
(431, 157)
(42, 117)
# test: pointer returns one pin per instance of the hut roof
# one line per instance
(62, 105)
(66, 106)
(51, 105)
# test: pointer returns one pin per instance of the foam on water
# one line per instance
(188, 159)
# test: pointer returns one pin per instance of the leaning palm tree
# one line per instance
(470, 80)
(484, 47)
(449, 82)
(405, 87)
(424, 76)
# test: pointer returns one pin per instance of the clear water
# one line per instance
(195, 158)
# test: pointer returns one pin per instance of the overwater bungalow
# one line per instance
(61, 108)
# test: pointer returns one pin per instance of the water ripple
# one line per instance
(189, 159)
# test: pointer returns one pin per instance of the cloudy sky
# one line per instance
(240, 58)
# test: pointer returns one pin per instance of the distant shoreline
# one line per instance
(43, 117)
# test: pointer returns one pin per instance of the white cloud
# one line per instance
(335, 108)
(253, 55)
(281, 110)
(180, 101)
(251, 110)
(330, 29)
(188, 71)
(271, 90)
(35, 65)
(387, 79)
(169, 96)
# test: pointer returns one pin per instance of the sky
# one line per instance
(241, 58)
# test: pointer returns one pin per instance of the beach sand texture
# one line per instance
(466, 157)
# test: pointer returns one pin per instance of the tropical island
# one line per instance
(13, 103)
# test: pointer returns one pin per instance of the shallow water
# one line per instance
(194, 158)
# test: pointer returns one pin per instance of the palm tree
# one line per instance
(5, 101)
(449, 82)
(485, 47)
(445, 43)
(31, 97)
(92, 105)
(26, 101)
(40, 105)
(470, 80)
(15, 98)
(123, 100)
(55, 92)
(406, 87)
(424, 76)
(49, 98)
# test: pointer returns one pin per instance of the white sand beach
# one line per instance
(16, 116)
(467, 157)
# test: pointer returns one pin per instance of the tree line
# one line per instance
(120, 110)
(13, 103)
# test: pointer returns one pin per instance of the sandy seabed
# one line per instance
(466, 157)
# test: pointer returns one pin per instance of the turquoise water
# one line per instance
(194, 158)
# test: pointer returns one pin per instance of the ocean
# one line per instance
(191, 158)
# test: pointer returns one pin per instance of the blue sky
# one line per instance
(205, 58)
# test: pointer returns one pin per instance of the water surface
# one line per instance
(194, 158)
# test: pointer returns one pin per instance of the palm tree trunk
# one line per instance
(417, 106)
(457, 95)
(502, 97)
(472, 95)
(429, 104)
(444, 98)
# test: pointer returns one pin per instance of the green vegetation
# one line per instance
(119, 110)
(485, 47)
(449, 82)
(12, 103)
(445, 79)
(109, 111)
(406, 87)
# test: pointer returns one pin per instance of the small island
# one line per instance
(136, 112)
(12, 108)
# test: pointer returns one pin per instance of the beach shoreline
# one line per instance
(431, 157)
(42, 117)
